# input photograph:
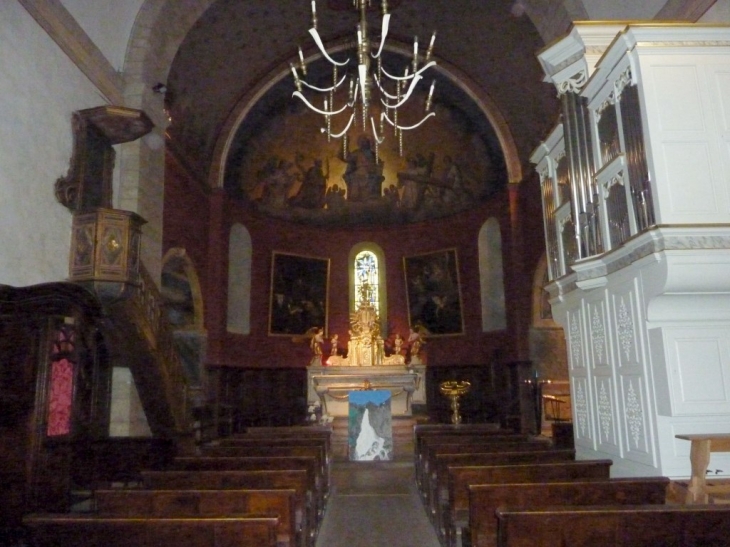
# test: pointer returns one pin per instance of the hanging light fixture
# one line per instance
(392, 92)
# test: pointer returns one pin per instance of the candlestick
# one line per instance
(430, 46)
(297, 82)
(415, 54)
(301, 61)
(314, 14)
(430, 96)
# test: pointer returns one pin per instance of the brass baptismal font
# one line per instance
(454, 389)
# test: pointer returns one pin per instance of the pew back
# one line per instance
(446, 433)
(205, 503)
(456, 447)
(264, 449)
(453, 517)
(616, 526)
(90, 531)
(437, 482)
(321, 433)
(293, 479)
(485, 499)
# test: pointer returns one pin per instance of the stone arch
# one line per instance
(158, 31)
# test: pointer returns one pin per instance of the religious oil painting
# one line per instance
(433, 293)
(298, 294)
(370, 428)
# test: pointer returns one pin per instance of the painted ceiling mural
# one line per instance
(282, 164)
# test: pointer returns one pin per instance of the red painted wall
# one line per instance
(200, 222)
(186, 216)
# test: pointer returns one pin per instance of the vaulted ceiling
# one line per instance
(237, 49)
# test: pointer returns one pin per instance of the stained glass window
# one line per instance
(366, 278)
(60, 398)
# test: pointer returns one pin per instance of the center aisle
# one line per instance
(375, 504)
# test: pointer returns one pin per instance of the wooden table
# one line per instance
(699, 457)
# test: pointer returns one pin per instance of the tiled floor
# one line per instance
(375, 504)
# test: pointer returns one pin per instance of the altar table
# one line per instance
(330, 386)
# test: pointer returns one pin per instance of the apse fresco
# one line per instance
(282, 164)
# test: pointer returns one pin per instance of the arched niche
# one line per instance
(491, 277)
(239, 280)
(183, 305)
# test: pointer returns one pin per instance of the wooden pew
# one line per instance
(92, 531)
(458, 437)
(616, 526)
(265, 450)
(485, 499)
(473, 447)
(294, 479)
(97, 463)
(454, 516)
(253, 463)
(128, 503)
(420, 431)
(281, 440)
(438, 484)
(323, 433)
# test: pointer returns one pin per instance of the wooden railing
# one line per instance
(148, 314)
(142, 340)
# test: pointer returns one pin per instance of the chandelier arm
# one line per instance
(383, 34)
(380, 87)
(317, 110)
(355, 95)
(320, 45)
(409, 127)
(411, 76)
(379, 140)
(325, 90)
(346, 129)
(406, 96)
